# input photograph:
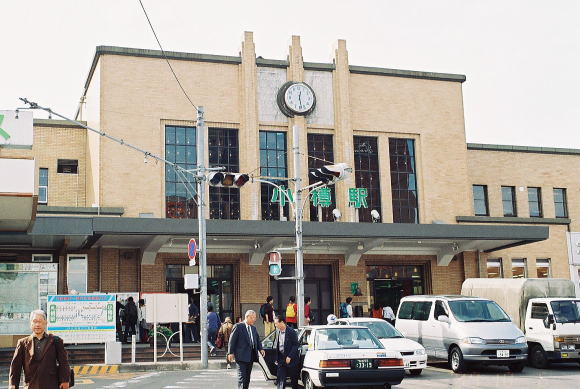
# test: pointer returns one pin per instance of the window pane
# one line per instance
(403, 181)
(480, 200)
(518, 268)
(494, 268)
(560, 202)
(535, 201)
(272, 164)
(77, 282)
(366, 161)
(543, 268)
(320, 153)
(179, 148)
(77, 264)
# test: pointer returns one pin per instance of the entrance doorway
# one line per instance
(391, 283)
(220, 291)
(317, 286)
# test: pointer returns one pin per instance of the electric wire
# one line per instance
(165, 56)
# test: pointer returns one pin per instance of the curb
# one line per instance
(169, 366)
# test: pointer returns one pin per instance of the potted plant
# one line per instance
(163, 335)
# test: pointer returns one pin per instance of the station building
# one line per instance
(102, 217)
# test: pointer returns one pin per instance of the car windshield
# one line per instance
(380, 329)
(566, 311)
(346, 338)
(477, 311)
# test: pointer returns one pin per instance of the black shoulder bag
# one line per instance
(71, 380)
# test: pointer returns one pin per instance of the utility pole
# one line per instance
(299, 265)
(201, 170)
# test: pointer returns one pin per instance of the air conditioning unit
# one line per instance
(41, 257)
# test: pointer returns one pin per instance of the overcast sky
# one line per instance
(521, 57)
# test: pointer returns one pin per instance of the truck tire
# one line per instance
(456, 361)
(517, 367)
(538, 357)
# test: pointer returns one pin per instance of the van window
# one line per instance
(406, 310)
(477, 310)
(439, 310)
(539, 311)
(415, 310)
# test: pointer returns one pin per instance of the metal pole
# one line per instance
(202, 235)
(298, 216)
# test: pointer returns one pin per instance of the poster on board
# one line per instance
(83, 318)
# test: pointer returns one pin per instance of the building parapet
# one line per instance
(512, 220)
(522, 149)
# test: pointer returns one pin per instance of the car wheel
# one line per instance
(308, 384)
(456, 361)
(415, 372)
(538, 357)
(517, 367)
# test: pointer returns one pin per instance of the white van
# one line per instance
(463, 329)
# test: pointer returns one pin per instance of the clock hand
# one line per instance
(300, 97)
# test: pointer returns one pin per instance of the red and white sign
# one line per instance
(191, 251)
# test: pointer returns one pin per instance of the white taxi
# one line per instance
(413, 353)
(339, 356)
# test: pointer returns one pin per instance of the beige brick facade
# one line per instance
(132, 96)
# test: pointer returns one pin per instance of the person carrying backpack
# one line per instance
(346, 308)
(131, 316)
(267, 314)
(291, 309)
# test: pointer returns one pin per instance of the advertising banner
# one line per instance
(84, 318)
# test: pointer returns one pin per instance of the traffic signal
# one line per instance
(274, 263)
(232, 180)
(329, 174)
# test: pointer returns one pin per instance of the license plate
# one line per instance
(503, 353)
(363, 364)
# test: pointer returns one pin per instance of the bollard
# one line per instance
(133, 346)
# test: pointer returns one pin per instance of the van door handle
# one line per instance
(530, 328)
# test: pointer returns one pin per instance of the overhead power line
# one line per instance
(164, 56)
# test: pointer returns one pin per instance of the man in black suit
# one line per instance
(244, 346)
(287, 356)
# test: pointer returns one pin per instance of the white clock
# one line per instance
(296, 98)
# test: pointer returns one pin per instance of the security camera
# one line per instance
(375, 215)
(337, 215)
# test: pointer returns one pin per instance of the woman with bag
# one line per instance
(224, 333)
(291, 310)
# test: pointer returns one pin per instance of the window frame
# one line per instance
(549, 267)
(402, 202)
(266, 190)
(220, 141)
(362, 157)
(512, 201)
(539, 305)
(86, 272)
(62, 165)
(316, 159)
(485, 200)
(538, 200)
(45, 201)
(524, 265)
(499, 261)
(564, 203)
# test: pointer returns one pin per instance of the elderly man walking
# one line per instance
(42, 357)
(244, 347)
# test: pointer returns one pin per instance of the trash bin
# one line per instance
(112, 353)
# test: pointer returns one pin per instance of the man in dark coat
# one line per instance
(244, 346)
(131, 315)
(43, 358)
(287, 355)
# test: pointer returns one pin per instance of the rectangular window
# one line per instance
(404, 181)
(273, 167)
(42, 186)
(67, 166)
(519, 268)
(543, 268)
(480, 204)
(539, 311)
(535, 201)
(494, 268)
(508, 199)
(180, 143)
(560, 202)
(77, 270)
(224, 203)
(320, 153)
(366, 165)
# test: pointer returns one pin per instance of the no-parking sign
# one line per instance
(191, 251)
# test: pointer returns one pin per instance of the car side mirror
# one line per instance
(549, 320)
(444, 319)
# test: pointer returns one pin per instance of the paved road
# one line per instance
(560, 377)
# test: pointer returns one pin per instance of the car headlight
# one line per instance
(420, 351)
(520, 340)
(473, 340)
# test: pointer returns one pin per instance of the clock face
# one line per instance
(299, 98)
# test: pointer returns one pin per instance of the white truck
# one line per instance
(546, 310)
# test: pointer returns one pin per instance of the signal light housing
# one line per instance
(274, 263)
(228, 180)
(329, 174)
